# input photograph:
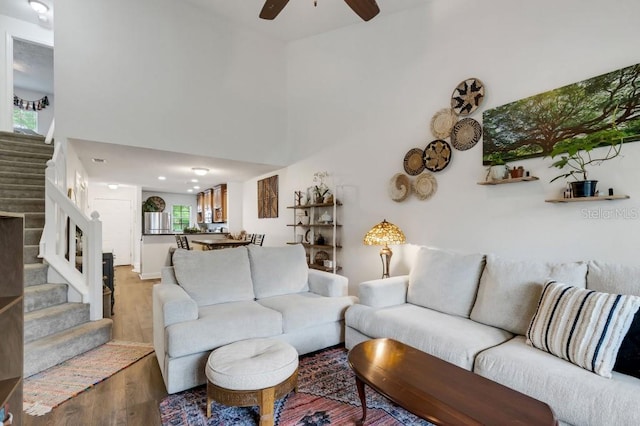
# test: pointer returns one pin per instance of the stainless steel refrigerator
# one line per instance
(157, 223)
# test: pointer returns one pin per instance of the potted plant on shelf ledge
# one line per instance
(576, 154)
(498, 168)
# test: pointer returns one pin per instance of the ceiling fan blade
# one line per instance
(366, 9)
(272, 8)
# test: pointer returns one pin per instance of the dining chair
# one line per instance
(179, 241)
(258, 239)
(185, 242)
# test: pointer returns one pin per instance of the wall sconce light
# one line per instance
(383, 234)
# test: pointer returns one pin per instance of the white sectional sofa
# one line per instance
(212, 298)
(475, 312)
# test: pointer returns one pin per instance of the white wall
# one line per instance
(166, 74)
(13, 28)
(360, 97)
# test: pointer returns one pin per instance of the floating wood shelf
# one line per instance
(510, 180)
(581, 199)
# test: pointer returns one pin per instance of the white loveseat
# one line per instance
(212, 298)
(475, 310)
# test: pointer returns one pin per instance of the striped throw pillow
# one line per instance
(582, 326)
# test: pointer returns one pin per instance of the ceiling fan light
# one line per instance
(38, 6)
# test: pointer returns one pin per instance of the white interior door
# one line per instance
(117, 222)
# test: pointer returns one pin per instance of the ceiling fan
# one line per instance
(366, 9)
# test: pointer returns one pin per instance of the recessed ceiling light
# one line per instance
(200, 171)
(189, 190)
(38, 6)
(162, 178)
(196, 187)
(194, 180)
(98, 160)
(113, 186)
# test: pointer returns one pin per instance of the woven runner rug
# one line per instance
(44, 391)
(326, 395)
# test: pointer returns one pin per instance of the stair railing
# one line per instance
(61, 241)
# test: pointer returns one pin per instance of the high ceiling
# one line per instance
(141, 167)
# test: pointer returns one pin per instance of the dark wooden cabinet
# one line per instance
(220, 203)
(11, 313)
(200, 207)
(207, 205)
(108, 276)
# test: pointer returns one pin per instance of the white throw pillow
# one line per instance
(509, 290)
(445, 280)
(214, 276)
(582, 326)
(613, 278)
(278, 270)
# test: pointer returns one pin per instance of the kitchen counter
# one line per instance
(154, 250)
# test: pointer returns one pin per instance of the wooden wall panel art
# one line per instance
(268, 197)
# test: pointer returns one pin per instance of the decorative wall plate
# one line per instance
(437, 155)
(399, 187)
(466, 134)
(442, 123)
(413, 163)
(467, 96)
(425, 186)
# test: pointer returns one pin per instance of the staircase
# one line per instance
(54, 329)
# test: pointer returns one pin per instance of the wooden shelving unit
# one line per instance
(510, 180)
(11, 313)
(584, 199)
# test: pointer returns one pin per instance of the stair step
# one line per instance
(44, 322)
(35, 274)
(26, 141)
(21, 191)
(7, 153)
(22, 178)
(14, 166)
(43, 296)
(33, 219)
(22, 205)
(32, 236)
(30, 254)
(59, 347)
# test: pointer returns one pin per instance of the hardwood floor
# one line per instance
(130, 397)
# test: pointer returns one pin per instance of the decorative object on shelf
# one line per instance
(298, 197)
(36, 105)
(437, 155)
(400, 186)
(325, 218)
(153, 204)
(320, 239)
(320, 189)
(581, 110)
(320, 257)
(383, 234)
(516, 172)
(498, 168)
(442, 123)
(467, 96)
(466, 134)
(425, 186)
(268, 197)
(414, 162)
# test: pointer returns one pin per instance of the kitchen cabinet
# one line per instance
(208, 204)
(200, 207)
(317, 228)
(11, 313)
(220, 203)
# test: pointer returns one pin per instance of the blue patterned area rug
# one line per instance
(326, 395)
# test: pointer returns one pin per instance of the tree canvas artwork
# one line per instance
(603, 108)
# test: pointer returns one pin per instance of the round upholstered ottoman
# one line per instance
(252, 372)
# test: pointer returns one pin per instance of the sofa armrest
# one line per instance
(327, 284)
(384, 292)
(171, 304)
(168, 275)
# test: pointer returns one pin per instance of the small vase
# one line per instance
(584, 188)
(498, 172)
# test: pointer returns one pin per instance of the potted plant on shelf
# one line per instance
(498, 168)
(577, 154)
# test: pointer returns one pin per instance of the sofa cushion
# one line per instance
(583, 326)
(444, 280)
(452, 338)
(278, 270)
(221, 324)
(613, 278)
(214, 276)
(577, 396)
(303, 310)
(628, 359)
(509, 290)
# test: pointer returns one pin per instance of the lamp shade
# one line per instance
(384, 233)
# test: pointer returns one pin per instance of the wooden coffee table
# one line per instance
(439, 391)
